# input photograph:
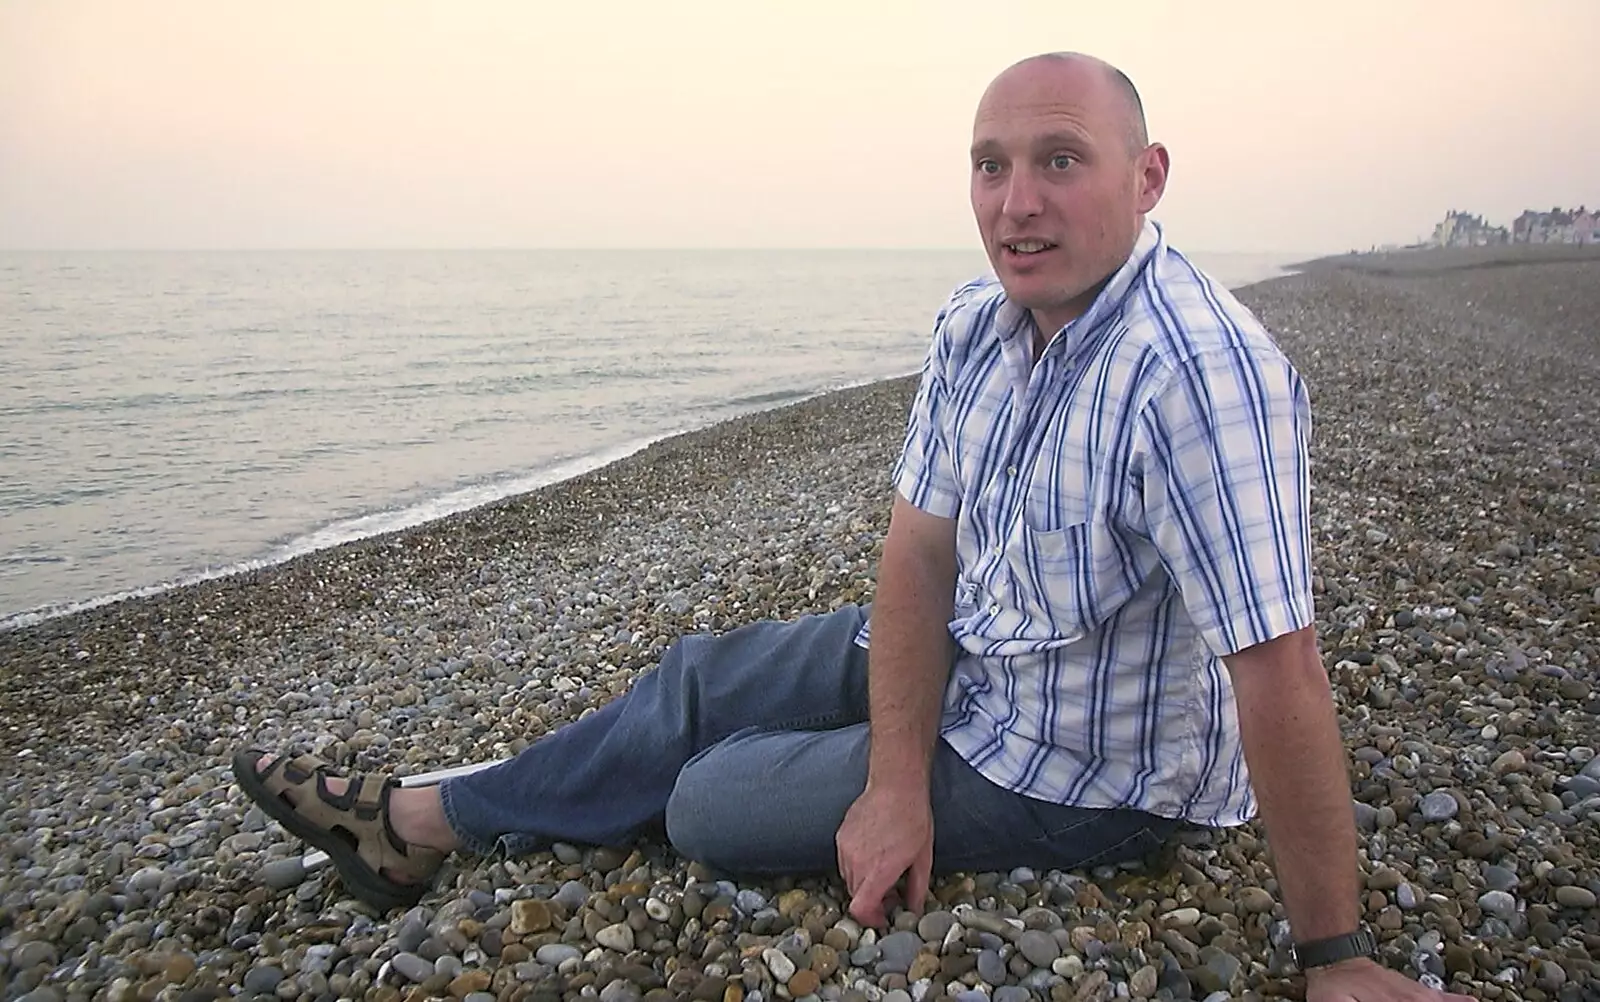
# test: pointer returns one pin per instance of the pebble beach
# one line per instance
(1457, 534)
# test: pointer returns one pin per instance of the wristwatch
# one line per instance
(1322, 952)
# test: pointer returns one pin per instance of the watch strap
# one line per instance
(1332, 950)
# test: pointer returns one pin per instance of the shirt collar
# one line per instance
(1013, 321)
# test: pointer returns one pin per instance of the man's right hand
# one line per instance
(886, 834)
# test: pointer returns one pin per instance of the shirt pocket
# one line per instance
(1070, 580)
(1052, 569)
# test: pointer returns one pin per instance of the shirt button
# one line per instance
(1011, 471)
(994, 610)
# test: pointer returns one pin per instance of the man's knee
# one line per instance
(697, 823)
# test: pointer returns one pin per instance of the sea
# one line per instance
(167, 417)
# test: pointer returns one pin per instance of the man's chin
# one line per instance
(1035, 292)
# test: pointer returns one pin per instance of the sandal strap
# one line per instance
(368, 800)
(302, 767)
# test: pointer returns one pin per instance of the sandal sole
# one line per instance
(370, 886)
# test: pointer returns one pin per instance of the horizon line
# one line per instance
(510, 248)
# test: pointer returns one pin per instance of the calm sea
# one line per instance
(173, 416)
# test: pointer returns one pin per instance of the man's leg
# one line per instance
(608, 776)
(769, 802)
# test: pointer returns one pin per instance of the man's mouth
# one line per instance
(1026, 247)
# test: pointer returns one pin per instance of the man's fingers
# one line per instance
(918, 878)
(867, 904)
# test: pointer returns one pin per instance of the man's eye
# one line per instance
(988, 167)
(1062, 161)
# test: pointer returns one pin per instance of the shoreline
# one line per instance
(422, 513)
(1456, 501)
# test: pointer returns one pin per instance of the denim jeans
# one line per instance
(747, 749)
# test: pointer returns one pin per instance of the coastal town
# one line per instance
(1555, 226)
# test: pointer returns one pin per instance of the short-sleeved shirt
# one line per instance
(1129, 510)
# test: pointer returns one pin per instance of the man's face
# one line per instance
(1058, 191)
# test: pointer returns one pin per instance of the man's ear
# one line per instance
(1153, 165)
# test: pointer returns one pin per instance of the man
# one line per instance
(1093, 620)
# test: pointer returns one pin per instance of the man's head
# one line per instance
(1062, 177)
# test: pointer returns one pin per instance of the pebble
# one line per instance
(1438, 806)
(618, 937)
(263, 980)
(991, 968)
(896, 952)
(1040, 948)
(556, 954)
(281, 874)
(1498, 903)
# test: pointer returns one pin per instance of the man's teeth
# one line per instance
(1029, 246)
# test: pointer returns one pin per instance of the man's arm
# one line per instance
(888, 831)
(1297, 767)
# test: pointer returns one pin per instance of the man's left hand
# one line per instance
(1367, 981)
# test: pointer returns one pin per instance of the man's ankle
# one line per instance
(418, 817)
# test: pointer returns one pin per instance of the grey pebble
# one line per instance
(262, 980)
(1406, 896)
(1366, 817)
(413, 932)
(411, 967)
(282, 874)
(1583, 786)
(622, 990)
(567, 853)
(146, 880)
(991, 968)
(1039, 947)
(571, 896)
(34, 953)
(1498, 903)
(1438, 806)
(1012, 993)
(1499, 878)
(556, 954)
(1427, 962)
(933, 926)
(749, 902)
(897, 951)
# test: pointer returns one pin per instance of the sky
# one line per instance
(1293, 127)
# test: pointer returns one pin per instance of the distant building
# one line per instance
(1558, 226)
(1464, 229)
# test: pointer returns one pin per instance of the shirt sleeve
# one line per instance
(925, 471)
(1226, 491)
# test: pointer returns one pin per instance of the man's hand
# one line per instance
(1367, 981)
(886, 834)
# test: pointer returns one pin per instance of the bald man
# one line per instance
(1093, 621)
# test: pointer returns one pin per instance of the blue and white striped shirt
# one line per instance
(1129, 509)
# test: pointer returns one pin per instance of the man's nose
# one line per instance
(1022, 195)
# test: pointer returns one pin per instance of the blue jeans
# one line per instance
(748, 748)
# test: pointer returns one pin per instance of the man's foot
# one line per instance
(350, 819)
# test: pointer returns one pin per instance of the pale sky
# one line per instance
(1293, 126)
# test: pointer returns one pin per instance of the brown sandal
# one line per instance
(352, 828)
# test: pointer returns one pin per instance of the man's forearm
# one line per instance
(909, 665)
(1297, 766)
